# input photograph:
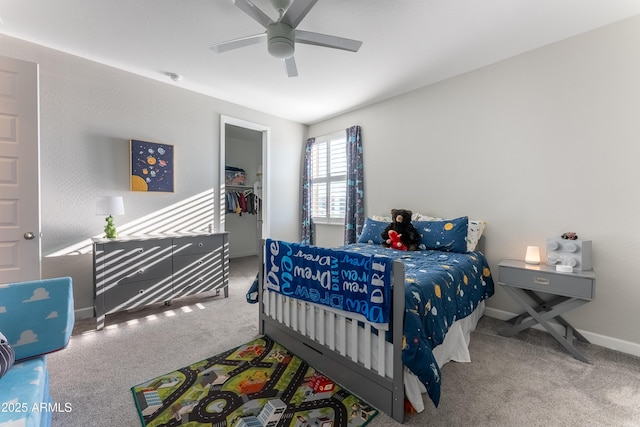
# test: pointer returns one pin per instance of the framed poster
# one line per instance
(151, 166)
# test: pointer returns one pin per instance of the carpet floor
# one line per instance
(528, 380)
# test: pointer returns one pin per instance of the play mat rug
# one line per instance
(257, 384)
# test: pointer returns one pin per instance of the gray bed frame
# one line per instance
(384, 393)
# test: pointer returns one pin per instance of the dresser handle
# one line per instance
(540, 280)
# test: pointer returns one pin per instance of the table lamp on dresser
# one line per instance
(110, 206)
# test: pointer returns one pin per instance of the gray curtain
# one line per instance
(354, 217)
(306, 225)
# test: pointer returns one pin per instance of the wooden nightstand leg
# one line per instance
(542, 305)
(536, 317)
(566, 305)
(570, 332)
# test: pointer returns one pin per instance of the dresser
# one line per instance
(545, 294)
(137, 271)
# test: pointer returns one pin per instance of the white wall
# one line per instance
(88, 113)
(536, 145)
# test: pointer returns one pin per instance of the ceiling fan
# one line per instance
(282, 35)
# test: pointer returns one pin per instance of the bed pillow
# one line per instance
(387, 219)
(444, 235)
(7, 355)
(474, 231)
(372, 231)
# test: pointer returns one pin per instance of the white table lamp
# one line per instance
(533, 255)
(110, 205)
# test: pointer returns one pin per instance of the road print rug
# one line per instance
(256, 384)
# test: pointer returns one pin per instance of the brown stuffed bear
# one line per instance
(401, 222)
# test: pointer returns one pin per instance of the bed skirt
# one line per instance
(455, 347)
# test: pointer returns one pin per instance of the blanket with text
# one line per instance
(354, 282)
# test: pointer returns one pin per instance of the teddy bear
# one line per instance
(401, 223)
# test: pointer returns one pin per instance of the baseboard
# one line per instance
(597, 339)
(83, 313)
(242, 254)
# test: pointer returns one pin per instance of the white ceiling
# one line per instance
(407, 44)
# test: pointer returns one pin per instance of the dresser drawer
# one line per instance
(190, 264)
(543, 281)
(190, 245)
(137, 294)
(128, 249)
(134, 261)
(197, 273)
(145, 271)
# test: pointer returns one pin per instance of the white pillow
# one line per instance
(414, 217)
(474, 230)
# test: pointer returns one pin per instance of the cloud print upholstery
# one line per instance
(444, 235)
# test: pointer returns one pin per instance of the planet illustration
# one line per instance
(138, 184)
(151, 166)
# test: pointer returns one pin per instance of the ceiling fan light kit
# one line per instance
(281, 40)
(281, 35)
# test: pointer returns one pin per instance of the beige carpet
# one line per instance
(529, 380)
(533, 381)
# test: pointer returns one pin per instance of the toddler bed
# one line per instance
(375, 319)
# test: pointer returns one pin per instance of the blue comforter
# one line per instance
(440, 288)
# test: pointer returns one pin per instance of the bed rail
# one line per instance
(353, 354)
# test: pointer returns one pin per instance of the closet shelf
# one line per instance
(239, 186)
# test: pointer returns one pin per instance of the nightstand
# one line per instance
(568, 291)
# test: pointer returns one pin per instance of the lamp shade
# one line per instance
(110, 205)
(533, 255)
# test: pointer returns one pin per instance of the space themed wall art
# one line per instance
(151, 166)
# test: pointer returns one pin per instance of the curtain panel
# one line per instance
(306, 230)
(354, 215)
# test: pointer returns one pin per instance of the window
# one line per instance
(329, 178)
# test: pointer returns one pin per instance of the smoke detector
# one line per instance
(175, 77)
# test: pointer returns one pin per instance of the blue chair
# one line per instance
(37, 318)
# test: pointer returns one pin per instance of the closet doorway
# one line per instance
(243, 185)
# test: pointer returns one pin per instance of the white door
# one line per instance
(19, 171)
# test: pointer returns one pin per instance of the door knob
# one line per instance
(29, 235)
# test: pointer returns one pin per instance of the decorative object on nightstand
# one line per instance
(568, 291)
(569, 253)
(532, 255)
(110, 205)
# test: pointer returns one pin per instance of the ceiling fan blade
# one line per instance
(237, 43)
(252, 10)
(290, 65)
(297, 11)
(325, 40)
